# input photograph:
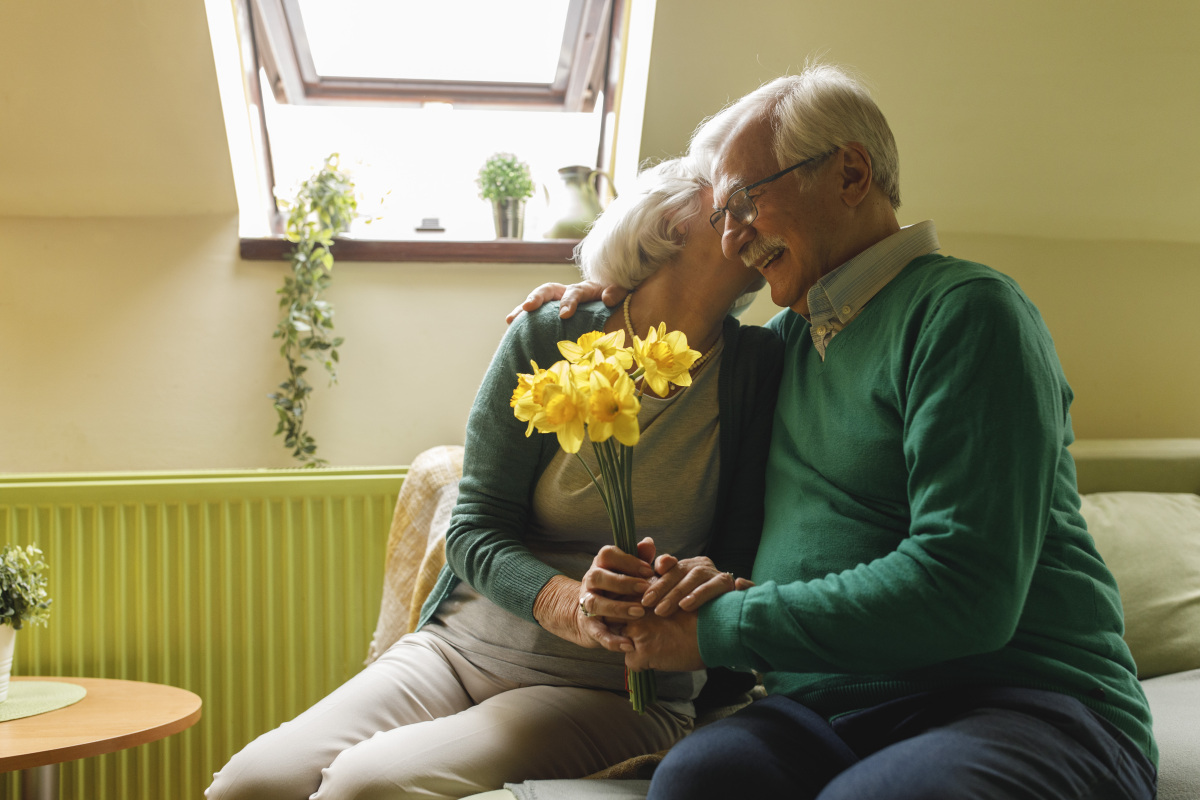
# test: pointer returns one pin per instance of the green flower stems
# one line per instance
(616, 470)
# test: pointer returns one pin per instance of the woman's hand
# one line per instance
(591, 612)
(557, 609)
(612, 587)
(687, 584)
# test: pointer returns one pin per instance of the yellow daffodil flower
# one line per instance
(596, 346)
(666, 358)
(563, 412)
(528, 398)
(613, 409)
(524, 390)
(580, 374)
(610, 370)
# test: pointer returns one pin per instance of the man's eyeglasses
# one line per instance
(741, 204)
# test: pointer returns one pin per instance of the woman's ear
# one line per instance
(678, 231)
(855, 173)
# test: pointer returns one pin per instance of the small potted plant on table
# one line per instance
(22, 599)
(506, 181)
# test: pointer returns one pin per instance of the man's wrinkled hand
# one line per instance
(666, 643)
(569, 296)
(538, 298)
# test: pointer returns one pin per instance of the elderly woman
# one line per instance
(508, 678)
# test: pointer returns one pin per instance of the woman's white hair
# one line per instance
(642, 227)
(813, 113)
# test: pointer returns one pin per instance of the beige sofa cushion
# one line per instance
(1151, 542)
(1174, 702)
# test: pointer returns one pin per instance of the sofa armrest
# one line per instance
(416, 548)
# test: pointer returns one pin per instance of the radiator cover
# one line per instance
(257, 590)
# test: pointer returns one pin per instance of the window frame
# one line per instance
(287, 57)
(266, 29)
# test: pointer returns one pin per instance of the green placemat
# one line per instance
(26, 698)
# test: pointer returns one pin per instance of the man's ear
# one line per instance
(855, 173)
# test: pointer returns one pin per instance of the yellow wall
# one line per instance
(1050, 118)
(1049, 140)
(1124, 323)
(1123, 319)
(145, 343)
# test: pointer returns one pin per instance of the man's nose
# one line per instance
(734, 237)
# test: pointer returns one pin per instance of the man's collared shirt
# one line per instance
(838, 297)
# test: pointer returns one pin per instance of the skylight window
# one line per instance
(536, 53)
(505, 42)
(414, 96)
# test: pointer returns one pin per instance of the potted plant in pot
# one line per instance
(507, 182)
(22, 599)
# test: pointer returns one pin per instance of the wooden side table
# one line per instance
(114, 715)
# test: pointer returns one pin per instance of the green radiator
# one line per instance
(256, 590)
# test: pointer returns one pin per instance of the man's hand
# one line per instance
(666, 643)
(686, 584)
(571, 296)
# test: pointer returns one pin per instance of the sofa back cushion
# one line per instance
(1151, 542)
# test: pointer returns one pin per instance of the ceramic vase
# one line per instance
(574, 203)
(8, 638)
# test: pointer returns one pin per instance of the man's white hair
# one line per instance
(813, 113)
(642, 227)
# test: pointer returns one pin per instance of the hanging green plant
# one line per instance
(324, 207)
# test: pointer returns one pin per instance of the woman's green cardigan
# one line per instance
(501, 466)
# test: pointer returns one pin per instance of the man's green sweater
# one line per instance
(922, 524)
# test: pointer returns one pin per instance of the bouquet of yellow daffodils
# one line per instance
(592, 391)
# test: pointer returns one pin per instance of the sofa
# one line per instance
(1141, 499)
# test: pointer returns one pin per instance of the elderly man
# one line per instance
(930, 615)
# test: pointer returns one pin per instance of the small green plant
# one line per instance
(504, 175)
(324, 207)
(23, 586)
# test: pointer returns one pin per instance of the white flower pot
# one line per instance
(8, 637)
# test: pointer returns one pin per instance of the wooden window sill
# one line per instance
(553, 251)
